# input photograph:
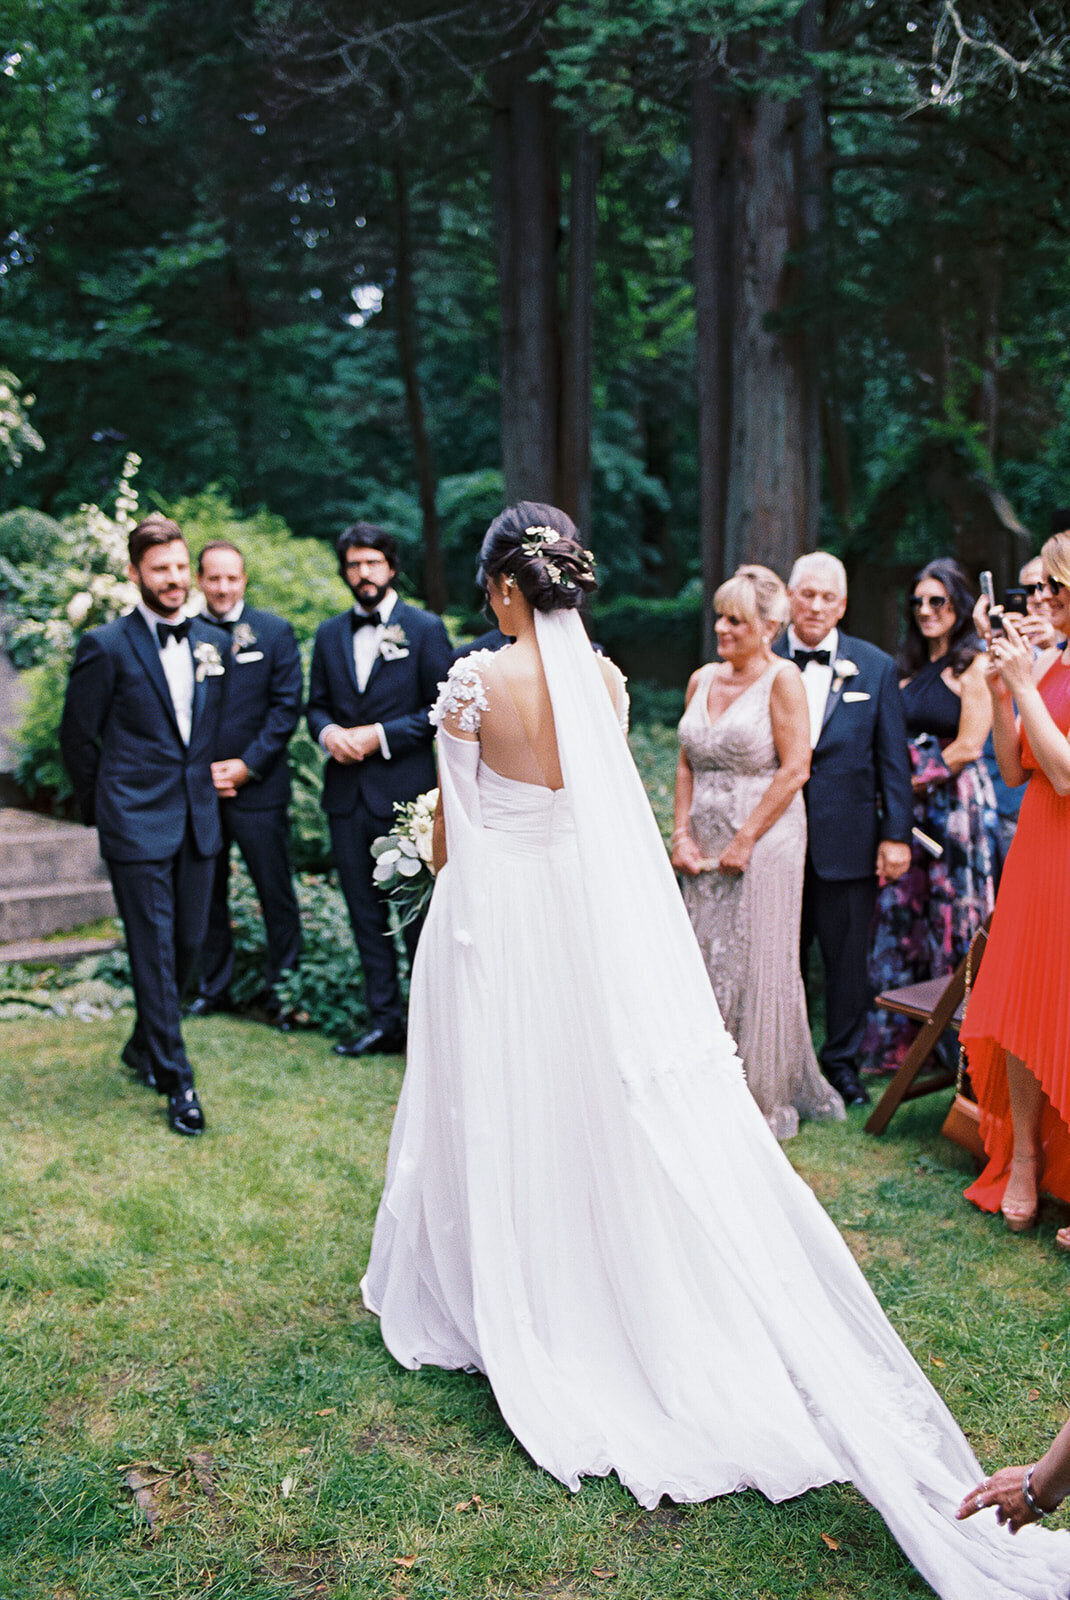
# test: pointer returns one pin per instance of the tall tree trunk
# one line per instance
(526, 220)
(574, 447)
(770, 507)
(808, 159)
(712, 210)
(423, 460)
(657, 421)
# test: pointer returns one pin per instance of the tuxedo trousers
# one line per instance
(838, 913)
(352, 837)
(164, 908)
(263, 838)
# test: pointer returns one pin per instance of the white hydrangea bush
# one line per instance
(84, 585)
(17, 432)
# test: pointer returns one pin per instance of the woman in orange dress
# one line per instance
(1017, 1025)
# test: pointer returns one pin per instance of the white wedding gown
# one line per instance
(583, 1200)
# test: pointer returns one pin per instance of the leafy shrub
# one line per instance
(327, 989)
(655, 639)
(296, 578)
(39, 766)
(28, 537)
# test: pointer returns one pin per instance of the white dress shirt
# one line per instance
(817, 680)
(176, 658)
(233, 615)
(366, 642)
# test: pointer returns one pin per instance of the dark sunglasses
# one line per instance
(1033, 589)
(935, 602)
(1050, 586)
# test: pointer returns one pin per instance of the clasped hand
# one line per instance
(688, 858)
(229, 776)
(347, 745)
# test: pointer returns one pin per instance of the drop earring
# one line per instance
(505, 593)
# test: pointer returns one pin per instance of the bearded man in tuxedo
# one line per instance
(859, 804)
(140, 730)
(374, 678)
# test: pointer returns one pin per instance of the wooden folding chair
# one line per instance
(936, 1005)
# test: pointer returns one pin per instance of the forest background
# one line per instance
(726, 278)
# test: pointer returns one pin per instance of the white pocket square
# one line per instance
(250, 655)
(855, 694)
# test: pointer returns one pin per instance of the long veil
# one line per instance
(771, 1253)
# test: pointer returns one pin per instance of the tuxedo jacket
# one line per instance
(859, 788)
(261, 708)
(132, 775)
(399, 694)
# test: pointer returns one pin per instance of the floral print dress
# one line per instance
(923, 924)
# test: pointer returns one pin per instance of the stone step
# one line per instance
(29, 913)
(36, 851)
(54, 952)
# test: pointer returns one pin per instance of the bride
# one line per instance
(582, 1199)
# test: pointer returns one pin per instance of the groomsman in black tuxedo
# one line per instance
(375, 676)
(859, 805)
(252, 778)
(139, 731)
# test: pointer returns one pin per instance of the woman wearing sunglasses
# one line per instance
(1017, 1025)
(926, 920)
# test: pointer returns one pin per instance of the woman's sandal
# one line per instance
(1020, 1215)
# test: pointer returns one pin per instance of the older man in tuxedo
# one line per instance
(858, 800)
(252, 778)
(374, 677)
(139, 732)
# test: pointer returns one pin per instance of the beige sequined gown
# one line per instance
(748, 925)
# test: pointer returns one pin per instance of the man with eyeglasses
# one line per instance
(374, 678)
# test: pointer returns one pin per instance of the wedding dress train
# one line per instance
(584, 1202)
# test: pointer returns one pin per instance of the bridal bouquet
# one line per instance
(403, 869)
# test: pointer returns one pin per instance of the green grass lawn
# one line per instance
(189, 1311)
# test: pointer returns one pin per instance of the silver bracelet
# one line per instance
(1029, 1497)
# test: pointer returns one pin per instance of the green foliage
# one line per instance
(655, 639)
(327, 989)
(26, 538)
(296, 578)
(39, 766)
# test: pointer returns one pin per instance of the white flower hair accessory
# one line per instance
(535, 539)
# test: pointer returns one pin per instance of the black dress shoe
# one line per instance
(184, 1112)
(138, 1065)
(270, 1009)
(846, 1082)
(204, 1006)
(376, 1042)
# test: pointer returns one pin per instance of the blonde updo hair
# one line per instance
(1055, 554)
(756, 595)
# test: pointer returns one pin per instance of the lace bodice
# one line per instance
(506, 706)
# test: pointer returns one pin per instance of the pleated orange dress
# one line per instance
(1021, 998)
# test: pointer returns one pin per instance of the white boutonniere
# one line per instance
(393, 645)
(209, 662)
(244, 638)
(843, 669)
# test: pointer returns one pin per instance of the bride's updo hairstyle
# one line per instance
(539, 548)
(756, 595)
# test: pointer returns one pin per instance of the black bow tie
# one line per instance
(228, 624)
(364, 619)
(803, 658)
(172, 630)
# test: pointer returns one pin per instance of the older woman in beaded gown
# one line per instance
(739, 843)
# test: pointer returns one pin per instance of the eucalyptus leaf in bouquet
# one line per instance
(403, 869)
